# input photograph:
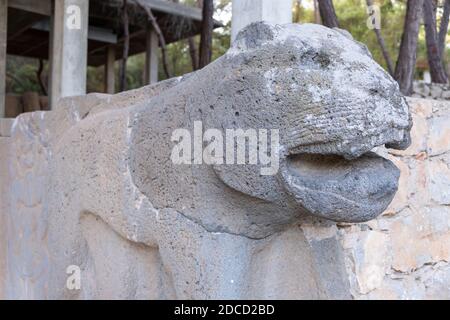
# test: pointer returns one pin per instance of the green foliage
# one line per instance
(21, 75)
(352, 16)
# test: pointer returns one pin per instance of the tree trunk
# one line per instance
(443, 28)
(328, 14)
(298, 8)
(162, 41)
(317, 18)
(382, 44)
(126, 47)
(406, 63)
(39, 77)
(437, 71)
(384, 51)
(193, 53)
(206, 35)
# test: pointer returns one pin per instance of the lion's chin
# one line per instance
(331, 187)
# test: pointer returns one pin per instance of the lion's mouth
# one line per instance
(344, 181)
(335, 188)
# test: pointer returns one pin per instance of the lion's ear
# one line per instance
(255, 34)
(344, 32)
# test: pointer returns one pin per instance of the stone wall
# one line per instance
(405, 253)
(436, 91)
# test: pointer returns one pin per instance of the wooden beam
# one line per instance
(151, 56)
(3, 42)
(27, 52)
(42, 7)
(110, 76)
(119, 41)
(163, 6)
(102, 35)
(94, 33)
(173, 8)
(20, 21)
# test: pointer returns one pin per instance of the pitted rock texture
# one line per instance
(325, 94)
(206, 230)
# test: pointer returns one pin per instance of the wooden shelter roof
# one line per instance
(29, 25)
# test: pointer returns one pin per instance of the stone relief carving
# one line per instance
(140, 226)
(28, 259)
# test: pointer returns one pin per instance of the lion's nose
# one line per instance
(401, 144)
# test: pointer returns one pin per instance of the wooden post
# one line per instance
(3, 42)
(110, 77)
(68, 49)
(151, 56)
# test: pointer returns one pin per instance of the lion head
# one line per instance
(331, 104)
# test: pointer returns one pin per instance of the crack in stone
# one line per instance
(218, 231)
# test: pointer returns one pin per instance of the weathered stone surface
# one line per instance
(416, 223)
(414, 182)
(297, 278)
(371, 260)
(414, 239)
(423, 107)
(402, 196)
(436, 279)
(5, 127)
(93, 184)
(421, 89)
(436, 92)
(419, 134)
(331, 267)
(4, 208)
(446, 95)
(408, 253)
(439, 173)
(323, 67)
(439, 135)
(419, 180)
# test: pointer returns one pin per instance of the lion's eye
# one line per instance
(374, 91)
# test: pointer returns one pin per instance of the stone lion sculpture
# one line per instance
(140, 226)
